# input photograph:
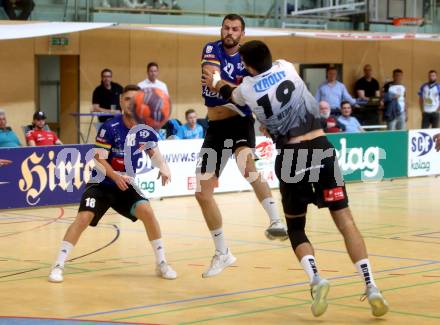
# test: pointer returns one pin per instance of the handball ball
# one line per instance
(152, 107)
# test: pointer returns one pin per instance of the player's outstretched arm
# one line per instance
(159, 162)
(121, 181)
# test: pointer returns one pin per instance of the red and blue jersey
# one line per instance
(120, 141)
(231, 70)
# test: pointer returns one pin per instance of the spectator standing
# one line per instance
(24, 6)
(429, 100)
(8, 138)
(38, 136)
(152, 81)
(329, 123)
(351, 123)
(395, 113)
(333, 92)
(106, 97)
(367, 87)
(190, 130)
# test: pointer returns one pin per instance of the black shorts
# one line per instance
(309, 173)
(98, 198)
(222, 139)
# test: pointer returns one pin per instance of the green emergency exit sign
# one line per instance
(59, 41)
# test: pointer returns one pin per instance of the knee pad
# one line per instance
(296, 230)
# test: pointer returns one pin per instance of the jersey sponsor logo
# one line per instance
(209, 56)
(421, 143)
(209, 49)
(102, 133)
(334, 194)
(208, 93)
(118, 164)
(265, 83)
(144, 134)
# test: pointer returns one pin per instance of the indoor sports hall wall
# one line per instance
(126, 52)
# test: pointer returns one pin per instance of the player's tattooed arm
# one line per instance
(159, 162)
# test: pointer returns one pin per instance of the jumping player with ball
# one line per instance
(120, 143)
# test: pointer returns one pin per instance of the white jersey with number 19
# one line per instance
(280, 100)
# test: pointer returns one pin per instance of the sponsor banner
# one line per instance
(361, 156)
(423, 159)
(41, 176)
(181, 156)
(371, 155)
(56, 175)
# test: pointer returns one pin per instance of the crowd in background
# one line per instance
(105, 99)
(336, 104)
(337, 107)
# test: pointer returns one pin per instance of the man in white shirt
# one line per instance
(396, 117)
(429, 100)
(152, 81)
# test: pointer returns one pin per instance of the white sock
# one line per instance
(219, 240)
(159, 250)
(364, 269)
(65, 250)
(270, 206)
(309, 265)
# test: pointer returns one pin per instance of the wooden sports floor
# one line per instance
(111, 277)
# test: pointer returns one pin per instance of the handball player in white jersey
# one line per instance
(306, 164)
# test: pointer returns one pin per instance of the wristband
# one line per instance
(216, 78)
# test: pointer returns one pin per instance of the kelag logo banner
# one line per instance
(371, 155)
(422, 157)
(44, 175)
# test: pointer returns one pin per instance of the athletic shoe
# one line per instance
(379, 306)
(276, 230)
(218, 263)
(164, 270)
(56, 274)
(319, 293)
